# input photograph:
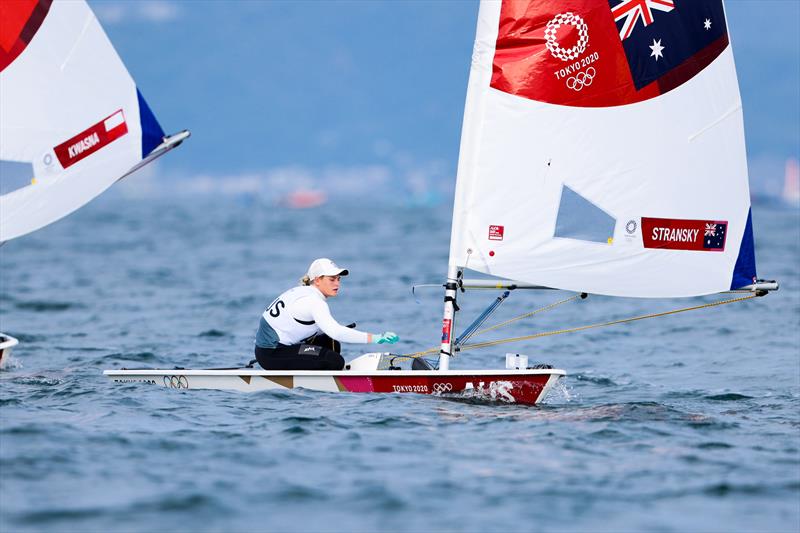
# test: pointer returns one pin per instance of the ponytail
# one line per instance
(305, 280)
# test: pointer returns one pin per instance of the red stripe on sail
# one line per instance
(686, 71)
(91, 139)
(681, 234)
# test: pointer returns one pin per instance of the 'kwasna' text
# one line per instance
(83, 145)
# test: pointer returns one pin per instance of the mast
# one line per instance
(479, 76)
(449, 317)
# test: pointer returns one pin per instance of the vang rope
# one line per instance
(526, 315)
(510, 321)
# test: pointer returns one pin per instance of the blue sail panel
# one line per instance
(744, 273)
(152, 134)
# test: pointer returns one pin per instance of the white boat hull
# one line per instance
(513, 386)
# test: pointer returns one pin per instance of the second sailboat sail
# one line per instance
(68, 107)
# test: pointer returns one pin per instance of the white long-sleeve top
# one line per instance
(299, 313)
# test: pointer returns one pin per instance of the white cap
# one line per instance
(325, 267)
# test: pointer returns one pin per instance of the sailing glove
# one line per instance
(387, 337)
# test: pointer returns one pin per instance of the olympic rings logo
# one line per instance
(581, 79)
(439, 388)
(566, 19)
(176, 382)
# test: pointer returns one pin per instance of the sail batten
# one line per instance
(643, 127)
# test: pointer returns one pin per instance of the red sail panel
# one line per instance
(602, 53)
(19, 22)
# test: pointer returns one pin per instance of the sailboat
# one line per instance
(71, 111)
(602, 152)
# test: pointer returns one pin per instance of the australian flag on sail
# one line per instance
(714, 235)
(669, 41)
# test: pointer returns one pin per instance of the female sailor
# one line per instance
(284, 338)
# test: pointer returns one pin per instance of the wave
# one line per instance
(45, 306)
(728, 397)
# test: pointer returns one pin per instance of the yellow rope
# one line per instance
(418, 354)
(613, 322)
(526, 315)
(572, 330)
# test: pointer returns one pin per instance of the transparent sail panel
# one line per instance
(14, 176)
(580, 219)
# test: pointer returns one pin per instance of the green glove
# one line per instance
(387, 337)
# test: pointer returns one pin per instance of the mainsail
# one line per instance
(603, 149)
(68, 107)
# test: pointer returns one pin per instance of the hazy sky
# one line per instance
(359, 94)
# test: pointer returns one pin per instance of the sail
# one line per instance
(68, 107)
(603, 149)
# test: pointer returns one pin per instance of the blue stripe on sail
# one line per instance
(744, 273)
(152, 134)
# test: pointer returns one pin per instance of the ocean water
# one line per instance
(685, 423)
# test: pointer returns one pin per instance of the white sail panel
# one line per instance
(665, 162)
(70, 108)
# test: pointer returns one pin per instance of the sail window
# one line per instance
(580, 219)
(14, 175)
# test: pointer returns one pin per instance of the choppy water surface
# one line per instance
(689, 422)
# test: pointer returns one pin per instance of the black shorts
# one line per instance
(299, 357)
